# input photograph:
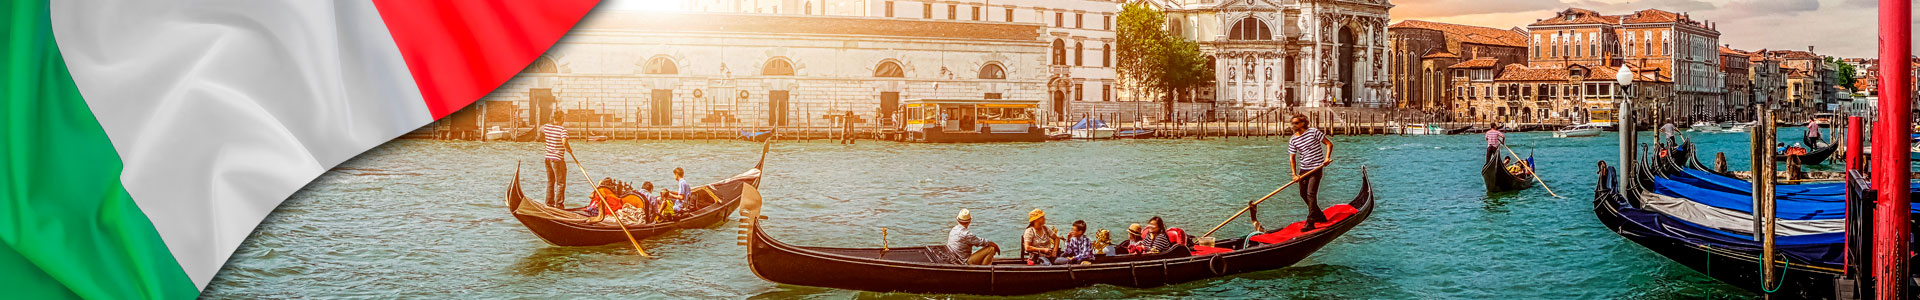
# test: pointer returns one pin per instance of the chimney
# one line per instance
(1809, 48)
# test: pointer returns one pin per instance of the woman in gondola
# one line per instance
(1037, 245)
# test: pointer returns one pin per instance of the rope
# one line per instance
(1783, 275)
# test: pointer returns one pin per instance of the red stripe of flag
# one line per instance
(458, 50)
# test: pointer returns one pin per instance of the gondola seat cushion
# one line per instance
(1334, 215)
(1204, 250)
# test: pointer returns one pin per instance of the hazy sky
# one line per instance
(1844, 28)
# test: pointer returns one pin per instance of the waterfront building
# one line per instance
(1421, 54)
(1813, 89)
(620, 69)
(1674, 48)
(1080, 77)
(1737, 102)
(1768, 81)
(1289, 53)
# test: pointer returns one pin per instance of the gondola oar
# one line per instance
(604, 205)
(1535, 175)
(1262, 199)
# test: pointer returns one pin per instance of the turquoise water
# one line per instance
(420, 218)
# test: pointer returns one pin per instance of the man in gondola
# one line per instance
(556, 161)
(960, 244)
(1307, 151)
(1495, 138)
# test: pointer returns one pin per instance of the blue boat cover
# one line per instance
(1819, 249)
(1089, 124)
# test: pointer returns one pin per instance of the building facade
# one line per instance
(1289, 53)
(1421, 53)
(1681, 51)
(651, 69)
(1079, 34)
(1739, 98)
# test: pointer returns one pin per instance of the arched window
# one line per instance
(993, 71)
(1059, 52)
(1079, 53)
(542, 65)
(777, 67)
(1106, 55)
(661, 66)
(889, 69)
(1250, 29)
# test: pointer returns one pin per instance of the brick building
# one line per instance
(1422, 52)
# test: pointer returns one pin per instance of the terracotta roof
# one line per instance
(1650, 16)
(1791, 54)
(1469, 33)
(1440, 54)
(1521, 72)
(1581, 16)
(1477, 63)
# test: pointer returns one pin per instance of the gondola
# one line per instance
(565, 227)
(1815, 153)
(915, 270)
(1498, 180)
(1733, 260)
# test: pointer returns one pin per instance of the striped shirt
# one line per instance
(556, 141)
(1495, 137)
(1307, 149)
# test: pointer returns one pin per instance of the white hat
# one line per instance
(965, 215)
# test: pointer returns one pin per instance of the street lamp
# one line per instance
(1625, 123)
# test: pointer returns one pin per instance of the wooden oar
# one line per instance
(1262, 199)
(1529, 168)
(604, 206)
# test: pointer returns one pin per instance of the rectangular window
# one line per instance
(1106, 92)
(1079, 91)
(953, 12)
(889, 9)
(1079, 20)
(1106, 23)
(1059, 20)
(1009, 15)
(976, 13)
(926, 10)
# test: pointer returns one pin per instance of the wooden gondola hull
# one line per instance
(1497, 178)
(568, 230)
(910, 270)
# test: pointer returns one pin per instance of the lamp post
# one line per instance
(1627, 134)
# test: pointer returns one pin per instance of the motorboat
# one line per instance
(1579, 130)
(495, 133)
(1417, 129)
(1092, 129)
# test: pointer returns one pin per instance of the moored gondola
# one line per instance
(915, 270)
(567, 227)
(1498, 179)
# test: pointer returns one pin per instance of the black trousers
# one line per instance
(556, 183)
(1310, 192)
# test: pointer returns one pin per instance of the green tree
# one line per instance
(1154, 60)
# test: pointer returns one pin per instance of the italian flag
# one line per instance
(144, 139)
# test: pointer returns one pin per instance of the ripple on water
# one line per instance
(415, 219)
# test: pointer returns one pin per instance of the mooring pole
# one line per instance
(1625, 123)
(1890, 174)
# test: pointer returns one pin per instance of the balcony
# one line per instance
(1061, 70)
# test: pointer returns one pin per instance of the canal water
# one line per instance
(421, 218)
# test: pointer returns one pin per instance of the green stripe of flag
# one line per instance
(67, 227)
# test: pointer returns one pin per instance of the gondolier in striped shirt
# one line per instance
(1309, 149)
(557, 148)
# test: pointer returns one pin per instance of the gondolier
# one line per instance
(1309, 150)
(557, 148)
(1495, 138)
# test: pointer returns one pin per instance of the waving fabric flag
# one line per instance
(144, 140)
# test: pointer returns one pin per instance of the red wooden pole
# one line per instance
(1890, 140)
(1854, 147)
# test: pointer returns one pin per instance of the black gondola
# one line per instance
(568, 227)
(1815, 153)
(915, 270)
(1498, 180)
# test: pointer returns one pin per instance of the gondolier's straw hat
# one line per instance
(965, 216)
(1035, 215)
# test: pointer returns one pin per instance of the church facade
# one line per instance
(1271, 54)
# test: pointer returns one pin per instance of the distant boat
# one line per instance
(1134, 133)
(1579, 130)
(1736, 127)
(1707, 127)
(1417, 129)
(495, 133)
(1091, 129)
(1057, 133)
(757, 136)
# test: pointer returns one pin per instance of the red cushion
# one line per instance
(1179, 237)
(1204, 250)
(1334, 215)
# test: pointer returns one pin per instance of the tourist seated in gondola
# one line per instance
(1156, 237)
(1134, 243)
(960, 244)
(1102, 243)
(1077, 248)
(1036, 244)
